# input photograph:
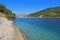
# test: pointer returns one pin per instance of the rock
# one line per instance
(8, 31)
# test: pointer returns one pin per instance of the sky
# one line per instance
(29, 6)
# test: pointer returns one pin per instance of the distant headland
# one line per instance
(53, 12)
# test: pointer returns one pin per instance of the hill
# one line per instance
(4, 12)
(49, 12)
(8, 31)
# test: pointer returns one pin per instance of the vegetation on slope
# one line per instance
(50, 12)
(7, 12)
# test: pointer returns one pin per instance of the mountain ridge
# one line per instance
(49, 12)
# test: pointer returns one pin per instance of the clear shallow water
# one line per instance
(39, 28)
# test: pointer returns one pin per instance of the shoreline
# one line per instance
(9, 31)
(38, 17)
(19, 32)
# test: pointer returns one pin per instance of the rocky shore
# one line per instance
(8, 31)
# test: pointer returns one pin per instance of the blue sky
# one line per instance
(29, 6)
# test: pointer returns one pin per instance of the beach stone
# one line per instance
(8, 32)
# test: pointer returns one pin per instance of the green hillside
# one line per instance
(4, 12)
(49, 12)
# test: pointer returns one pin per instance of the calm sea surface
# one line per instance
(39, 28)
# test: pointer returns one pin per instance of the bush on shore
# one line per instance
(9, 14)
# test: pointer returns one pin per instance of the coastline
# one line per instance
(19, 33)
(39, 17)
(9, 31)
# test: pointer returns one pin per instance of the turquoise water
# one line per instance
(39, 28)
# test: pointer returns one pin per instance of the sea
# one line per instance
(39, 28)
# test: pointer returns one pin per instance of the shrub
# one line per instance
(7, 12)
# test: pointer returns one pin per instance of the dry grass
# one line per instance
(2, 15)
